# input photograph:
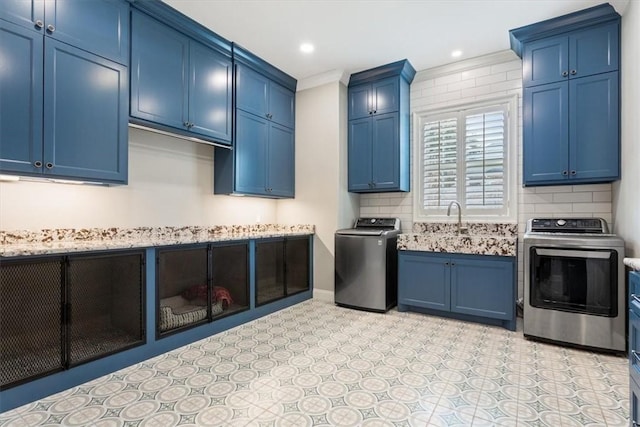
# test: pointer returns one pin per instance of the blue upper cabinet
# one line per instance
(258, 95)
(177, 83)
(100, 27)
(263, 160)
(579, 54)
(68, 113)
(26, 13)
(159, 72)
(21, 100)
(85, 115)
(378, 149)
(571, 100)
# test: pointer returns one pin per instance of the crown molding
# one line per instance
(324, 78)
(465, 65)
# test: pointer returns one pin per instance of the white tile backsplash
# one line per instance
(486, 81)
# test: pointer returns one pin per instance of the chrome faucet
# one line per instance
(460, 229)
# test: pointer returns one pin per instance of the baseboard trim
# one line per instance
(323, 295)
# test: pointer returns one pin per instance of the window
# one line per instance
(464, 154)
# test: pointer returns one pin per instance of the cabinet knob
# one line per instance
(49, 165)
(574, 72)
(446, 263)
(37, 164)
(374, 111)
(51, 28)
(565, 173)
(565, 73)
(573, 172)
(370, 112)
(186, 124)
(191, 124)
(39, 23)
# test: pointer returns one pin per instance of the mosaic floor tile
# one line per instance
(316, 364)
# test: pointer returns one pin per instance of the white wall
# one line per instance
(473, 80)
(626, 192)
(321, 188)
(170, 184)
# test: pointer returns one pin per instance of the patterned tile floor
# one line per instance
(316, 364)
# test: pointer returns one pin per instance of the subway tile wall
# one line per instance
(477, 79)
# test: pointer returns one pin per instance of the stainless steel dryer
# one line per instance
(366, 264)
(574, 283)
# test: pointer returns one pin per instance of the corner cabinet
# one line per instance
(469, 287)
(177, 83)
(262, 162)
(571, 98)
(378, 149)
(65, 102)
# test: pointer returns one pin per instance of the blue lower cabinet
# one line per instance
(100, 312)
(423, 281)
(634, 347)
(634, 407)
(469, 287)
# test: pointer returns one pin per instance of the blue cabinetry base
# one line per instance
(38, 389)
(507, 324)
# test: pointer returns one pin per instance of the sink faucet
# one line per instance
(459, 214)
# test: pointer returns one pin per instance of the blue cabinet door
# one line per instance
(545, 61)
(594, 142)
(281, 105)
(97, 26)
(252, 137)
(210, 93)
(360, 101)
(85, 115)
(280, 162)
(594, 50)
(385, 148)
(159, 69)
(634, 341)
(634, 409)
(423, 280)
(252, 91)
(26, 13)
(546, 133)
(360, 154)
(20, 99)
(483, 287)
(386, 96)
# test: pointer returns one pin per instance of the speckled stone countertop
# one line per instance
(480, 239)
(62, 240)
(633, 263)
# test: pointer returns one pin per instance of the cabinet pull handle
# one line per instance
(635, 297)
(37, 164)
(635, 355)
(573, 172)
(51, 28)
(574, 72)
(39, 23)
(565, 173)
(49, 165)
(565, 73)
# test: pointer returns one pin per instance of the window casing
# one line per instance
(467, 154)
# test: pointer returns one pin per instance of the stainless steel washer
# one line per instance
(366, 264)
(574, 283)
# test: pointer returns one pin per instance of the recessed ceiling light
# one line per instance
(306, 48)
(456, 53)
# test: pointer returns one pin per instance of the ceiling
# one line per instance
(354, 35)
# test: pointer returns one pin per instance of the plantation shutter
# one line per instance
(484, 160)
(464, 158)
(440, 162)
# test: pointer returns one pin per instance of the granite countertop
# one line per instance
(52, 241)
(633, 263)
(481, 238)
